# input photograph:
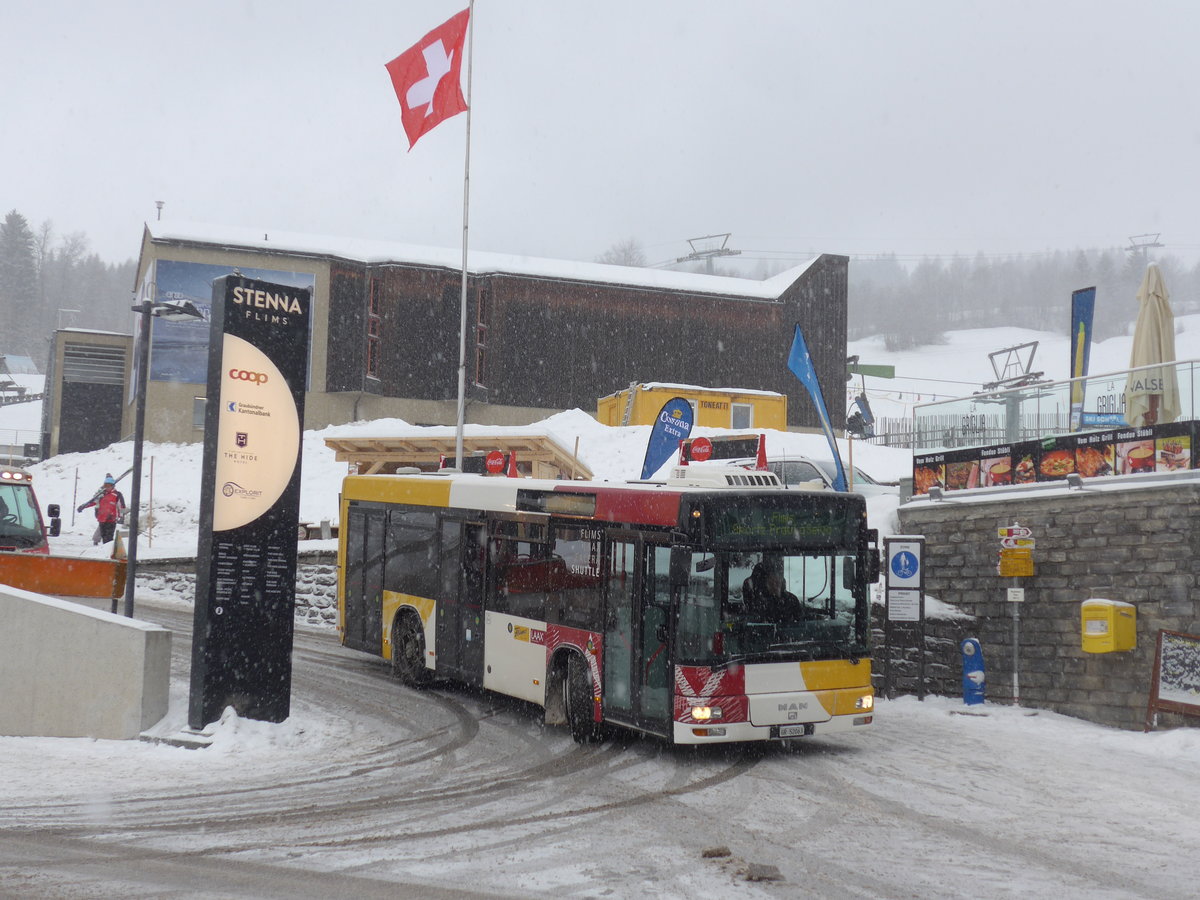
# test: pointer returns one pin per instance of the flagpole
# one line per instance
(462, 317)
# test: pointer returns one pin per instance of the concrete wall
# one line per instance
(70, 671)
(1140, 545)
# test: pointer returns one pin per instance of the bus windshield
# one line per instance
(771, 606)
(20, 524)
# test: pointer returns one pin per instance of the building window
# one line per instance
(198, 405)
(374, 329)
(741, 415)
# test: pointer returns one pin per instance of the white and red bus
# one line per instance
(21, 527)
(628, 604)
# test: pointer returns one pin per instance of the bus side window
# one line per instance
(412, 546)
(525, 573)
(576, 593)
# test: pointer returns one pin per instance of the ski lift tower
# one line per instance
(1013, 367)
(706, 248)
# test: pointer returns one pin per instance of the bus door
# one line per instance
(637, 665)
(364, 579)
(460, 603)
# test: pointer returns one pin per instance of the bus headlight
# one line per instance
(704, 713)
(867, 701)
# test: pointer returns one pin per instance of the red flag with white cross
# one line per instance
(426, 77)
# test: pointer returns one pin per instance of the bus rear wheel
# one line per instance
(408, 650)
(578, 701)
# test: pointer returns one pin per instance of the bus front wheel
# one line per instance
(578, 701)
(408, 651)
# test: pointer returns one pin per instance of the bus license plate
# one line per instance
(786, 731)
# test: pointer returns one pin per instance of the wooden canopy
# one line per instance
(537, 455)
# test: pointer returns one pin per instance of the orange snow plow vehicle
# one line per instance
(25, 560)
(21, 527)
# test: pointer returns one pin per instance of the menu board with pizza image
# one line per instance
(1057, 458)
(1097, 454)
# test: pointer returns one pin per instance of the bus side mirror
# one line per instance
(55, 522)
(872, 555)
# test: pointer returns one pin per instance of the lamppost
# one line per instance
(171, 311)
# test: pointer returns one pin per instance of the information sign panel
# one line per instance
(904, 605)
(249, 501)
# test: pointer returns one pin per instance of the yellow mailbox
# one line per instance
(1108, 625)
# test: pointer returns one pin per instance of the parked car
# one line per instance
(798, 469)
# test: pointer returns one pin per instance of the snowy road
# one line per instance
(372, 790)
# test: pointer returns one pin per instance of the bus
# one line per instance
(21, 527)
(619, 604)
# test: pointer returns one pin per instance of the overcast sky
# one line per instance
(802, 127)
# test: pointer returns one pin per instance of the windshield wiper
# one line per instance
(841, 648)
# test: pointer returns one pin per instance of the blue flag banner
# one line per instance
(801, 365)
(1083, 304)
(672, 425)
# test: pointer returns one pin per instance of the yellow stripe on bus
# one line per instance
(393, 601)
(836, 683)
(401, 489)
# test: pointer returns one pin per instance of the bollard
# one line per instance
(973, 679)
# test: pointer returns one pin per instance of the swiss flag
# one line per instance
(426, 78)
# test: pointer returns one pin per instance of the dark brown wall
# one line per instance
(561, 344)
(345, 359)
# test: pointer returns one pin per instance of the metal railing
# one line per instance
(1040, 410)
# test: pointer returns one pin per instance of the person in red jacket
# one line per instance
(110, 507)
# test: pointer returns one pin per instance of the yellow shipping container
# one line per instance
(639, 404)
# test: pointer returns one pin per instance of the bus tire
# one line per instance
(578, 701)
(408, 650)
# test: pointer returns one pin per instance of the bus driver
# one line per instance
(765, 593)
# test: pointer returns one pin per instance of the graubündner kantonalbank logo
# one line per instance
(266, 306)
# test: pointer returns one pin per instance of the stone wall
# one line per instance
(1135, 544)
(316, 583)
(899, 671)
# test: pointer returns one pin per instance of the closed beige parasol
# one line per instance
(1152, 395)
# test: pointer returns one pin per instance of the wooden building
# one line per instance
(543, 335)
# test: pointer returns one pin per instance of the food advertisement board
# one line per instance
(929, 470)
(1097, 454)
(962, 469)
(995, 465)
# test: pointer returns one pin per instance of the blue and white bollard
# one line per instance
(973, 679)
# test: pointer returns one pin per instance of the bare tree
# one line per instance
(628, 252)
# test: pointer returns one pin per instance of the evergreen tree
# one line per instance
(18, 286)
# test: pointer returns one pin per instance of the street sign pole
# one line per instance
(1016, 561)
(904, 599)
(1016, 618)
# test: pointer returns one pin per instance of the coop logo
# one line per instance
(233, 489)
(243, 375)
